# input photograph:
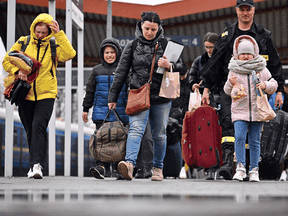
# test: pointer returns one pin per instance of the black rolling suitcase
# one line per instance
(274, 138)
(274, 141)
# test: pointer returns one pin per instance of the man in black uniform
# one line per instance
(215, 72)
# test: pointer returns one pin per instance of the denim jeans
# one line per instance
(158, 116)
(254, 130)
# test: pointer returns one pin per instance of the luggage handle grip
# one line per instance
(117, 117)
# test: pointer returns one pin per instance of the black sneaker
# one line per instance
(147, 172)
(140, 173)
(97, 172)
(226, 172)
(118, 175)
(107, 172)
(210, 174)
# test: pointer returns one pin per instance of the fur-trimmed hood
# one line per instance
(237, 42)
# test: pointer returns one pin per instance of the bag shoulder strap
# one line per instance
(164, 43)
(53, 46)
(117, 117)
(134, 44)
(153, 64)
(25, 44)
(199, 63)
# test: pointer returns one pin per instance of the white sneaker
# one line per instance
(240, 172)
(254, 175)
(30, 174)
(283, 176)
(37, 171)
(183, 174)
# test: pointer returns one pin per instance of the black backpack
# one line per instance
(53, 46)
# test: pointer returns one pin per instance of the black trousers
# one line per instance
(145, 154)
(225, 120)
(35, 116)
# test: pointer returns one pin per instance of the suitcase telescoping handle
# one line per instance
(117, 117)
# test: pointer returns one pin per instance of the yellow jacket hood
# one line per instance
(44, 18)
(45, 85)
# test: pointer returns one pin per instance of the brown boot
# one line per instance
(126, 170)
(157, 174)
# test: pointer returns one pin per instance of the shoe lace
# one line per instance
(157, 172)
(38, 166)
(240, 167)
(254, 171)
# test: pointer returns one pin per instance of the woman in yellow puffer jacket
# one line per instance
(36, 110)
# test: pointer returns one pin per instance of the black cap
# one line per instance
(245, 2)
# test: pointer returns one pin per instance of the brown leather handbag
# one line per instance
(139, 99)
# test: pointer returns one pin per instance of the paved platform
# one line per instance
(90, 196)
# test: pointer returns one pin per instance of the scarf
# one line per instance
(245, 67)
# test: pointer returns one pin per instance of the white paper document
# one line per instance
(172, 52)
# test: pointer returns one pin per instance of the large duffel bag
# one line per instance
(108, 143)
(201, 138)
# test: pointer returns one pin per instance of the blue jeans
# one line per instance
(158, 116)
(254, 130)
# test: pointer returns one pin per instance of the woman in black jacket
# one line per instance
(194, 78)
(148, 33)
(194, 73)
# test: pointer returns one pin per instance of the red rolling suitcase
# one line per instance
(201, 138)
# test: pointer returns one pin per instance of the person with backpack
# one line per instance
(36, 110)
(149, 34)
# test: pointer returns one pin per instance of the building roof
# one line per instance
(165, 11)
(272, 14)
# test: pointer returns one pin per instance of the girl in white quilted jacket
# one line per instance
(245, 116)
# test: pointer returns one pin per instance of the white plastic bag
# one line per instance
(194, 100)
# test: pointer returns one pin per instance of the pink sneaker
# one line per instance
(157, 174)
(126, 170)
